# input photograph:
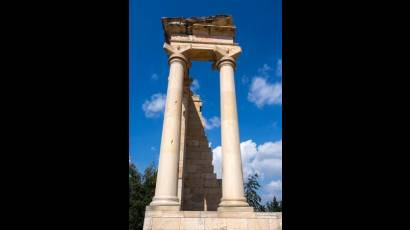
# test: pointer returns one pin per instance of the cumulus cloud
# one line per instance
(273, 188)
(154, 106)
(262, 92)
(217, 161)
(264, 159)
(213, 122)
(195, 85)
(264, 70)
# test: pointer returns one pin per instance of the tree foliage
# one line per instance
(274, 205)
(251, 194)
(141, 192)
(254, 200)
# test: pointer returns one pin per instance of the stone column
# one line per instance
(233, 198)
(166, 197)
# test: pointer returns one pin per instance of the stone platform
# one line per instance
(212, 220)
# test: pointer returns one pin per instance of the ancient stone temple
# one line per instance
(188, 195)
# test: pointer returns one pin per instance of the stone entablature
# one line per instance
(212, 26)
(201, 38)
(220, 40)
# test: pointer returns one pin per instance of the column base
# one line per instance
(165, 203)
(234, 205)
(235, 209)
(163, 208)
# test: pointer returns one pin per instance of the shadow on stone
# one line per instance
(202, 191)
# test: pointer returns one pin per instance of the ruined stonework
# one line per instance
(198, 187)
(201, 189)
(188, 195)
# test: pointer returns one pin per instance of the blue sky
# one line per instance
(258, 80)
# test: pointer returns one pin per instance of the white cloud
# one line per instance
(270, 149)
(213, 122)
(155, 106)
(154, 76)
(195, 85)
(274, 188)
(264, 159)
(263, 93)
(217, 161)
(265, 69)
(275, 185)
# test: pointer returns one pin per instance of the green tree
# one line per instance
(274, 205)
(141, 192)
(280, 206)
(148, 184)
(135, 198)
(251, 188)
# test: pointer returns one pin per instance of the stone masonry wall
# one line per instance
(201, 190)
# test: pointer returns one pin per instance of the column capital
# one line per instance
(177, 56)
(178, 53)
(226, 55)
(225, 60)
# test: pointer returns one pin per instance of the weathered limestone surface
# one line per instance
(211, 220)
